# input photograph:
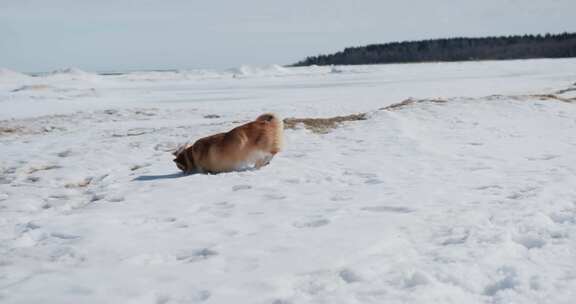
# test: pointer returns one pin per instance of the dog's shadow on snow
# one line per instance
(145, 178)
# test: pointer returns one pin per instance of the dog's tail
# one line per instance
(278, 125)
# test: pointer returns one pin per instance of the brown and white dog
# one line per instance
(251, 145)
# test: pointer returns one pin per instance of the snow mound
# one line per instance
(155, 76)
(72, 74)
(274, 70)
(7, 75)
(244, 71)
(33, 87)
(205, 74)
(172, 75)
(336, 70)
(252, 71)
(323, 70)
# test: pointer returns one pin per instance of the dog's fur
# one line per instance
(249, 145)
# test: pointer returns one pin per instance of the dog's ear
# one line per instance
(181, 161)
(179, 150)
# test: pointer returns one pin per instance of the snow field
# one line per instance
(470, 200)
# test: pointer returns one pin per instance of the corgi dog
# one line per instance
(252, 145)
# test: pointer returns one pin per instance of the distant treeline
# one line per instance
(454, 49)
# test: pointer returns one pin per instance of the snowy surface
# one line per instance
(469, 198)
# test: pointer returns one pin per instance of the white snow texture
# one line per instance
(465, 194)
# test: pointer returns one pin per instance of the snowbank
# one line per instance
(8, 76)
(73, 74)
(259, 71)
(179, 75)
(242, 72)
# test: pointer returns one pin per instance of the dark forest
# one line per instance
(453, 49)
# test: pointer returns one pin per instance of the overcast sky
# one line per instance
(97, 35)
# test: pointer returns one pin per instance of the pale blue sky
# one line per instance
(42, 35)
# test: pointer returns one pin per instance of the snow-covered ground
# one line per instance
(469, 197)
